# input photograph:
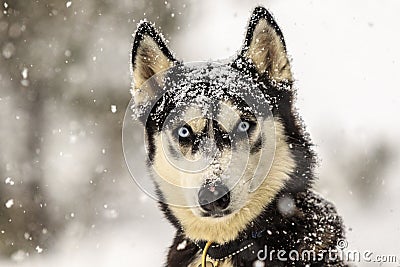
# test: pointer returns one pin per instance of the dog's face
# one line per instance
(208, 129)
(216, 133)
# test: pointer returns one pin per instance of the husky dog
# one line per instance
(201, 114)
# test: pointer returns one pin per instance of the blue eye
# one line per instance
(183, 132)
(243, 126)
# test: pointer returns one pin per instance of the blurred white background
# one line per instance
(66, 197)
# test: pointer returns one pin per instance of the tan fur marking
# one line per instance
(229, 115)
(198, 124)
(221, 230)
(268, 53)
(171, 174)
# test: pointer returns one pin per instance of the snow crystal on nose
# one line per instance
(208, 148)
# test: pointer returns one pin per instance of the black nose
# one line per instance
(213, 198)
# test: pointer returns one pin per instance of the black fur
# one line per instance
(312, 223)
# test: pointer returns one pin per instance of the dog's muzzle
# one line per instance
(214, 198)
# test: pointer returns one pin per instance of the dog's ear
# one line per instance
(150, 55)
(265, 47)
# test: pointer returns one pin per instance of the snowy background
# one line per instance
(66, 197)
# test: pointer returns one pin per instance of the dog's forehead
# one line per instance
(214, 91)
(225, 112)
(212, 80)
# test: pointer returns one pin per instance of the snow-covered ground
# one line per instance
(346, 61)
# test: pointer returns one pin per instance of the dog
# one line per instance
(229, 156)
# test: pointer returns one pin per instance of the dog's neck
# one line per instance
(261, 231)
(245, 241)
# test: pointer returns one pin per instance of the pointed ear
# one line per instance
(150, 55)
(265, 47)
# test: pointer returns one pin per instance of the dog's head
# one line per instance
(212, 128)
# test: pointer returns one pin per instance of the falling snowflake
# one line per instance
(9, 203)
(9, 181)
(24, 73)
(113, 108)
(39, 249)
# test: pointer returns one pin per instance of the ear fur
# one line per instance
(150, 55)
(265, 47)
